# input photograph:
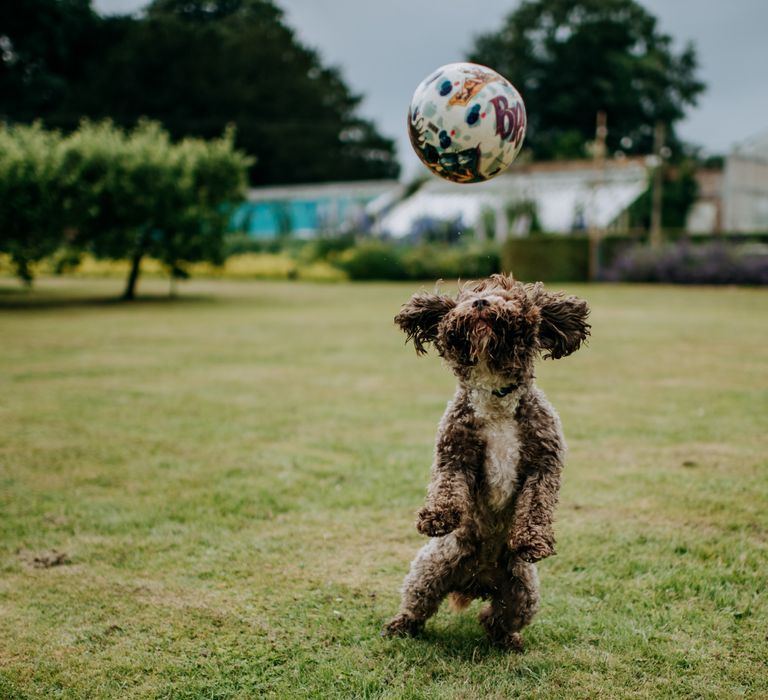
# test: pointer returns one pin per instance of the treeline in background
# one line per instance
(195, 66)
(190, 101)
(100, 194)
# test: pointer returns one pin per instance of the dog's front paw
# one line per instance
(533, 549)
(438, 521)
(402, 626)
(499, 634)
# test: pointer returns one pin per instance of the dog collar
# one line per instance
(501, 393)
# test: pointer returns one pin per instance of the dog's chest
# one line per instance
(502, 455)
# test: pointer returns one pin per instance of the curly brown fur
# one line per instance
(498, 455)
(421, 316)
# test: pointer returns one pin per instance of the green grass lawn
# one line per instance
(233, 478)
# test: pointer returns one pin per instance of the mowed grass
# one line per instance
(233, 478)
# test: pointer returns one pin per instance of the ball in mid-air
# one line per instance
(466, 122)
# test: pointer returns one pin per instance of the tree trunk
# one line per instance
(22, 271)
(130, 288)
(141, 247)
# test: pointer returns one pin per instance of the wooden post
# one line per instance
(659, 136)
(601, 131)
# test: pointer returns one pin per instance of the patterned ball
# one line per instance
(466, 122)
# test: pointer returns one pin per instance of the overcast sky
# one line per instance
(384, 49)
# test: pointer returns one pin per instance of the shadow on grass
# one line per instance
(34, 300)
(461, 642)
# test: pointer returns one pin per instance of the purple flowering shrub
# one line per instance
(716, 262)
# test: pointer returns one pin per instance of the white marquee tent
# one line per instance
(567, 196)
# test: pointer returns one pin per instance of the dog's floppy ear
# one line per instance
(420, 317)
(564, 324)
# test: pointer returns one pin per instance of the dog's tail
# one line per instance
(458, 601)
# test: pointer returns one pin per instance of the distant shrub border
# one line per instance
(717, 262)
(379, 260)
(253, 266)
(727, 259)
(321, 260)
(547, 257)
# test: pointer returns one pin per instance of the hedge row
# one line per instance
(551, 259)
(733, 259)
(547, 258)
(378, 260)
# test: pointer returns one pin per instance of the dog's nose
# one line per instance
(480, 303)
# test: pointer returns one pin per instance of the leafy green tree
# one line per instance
(197, 66)
(135, 194)
(45, 46)
(117, 194)
(572, 58)
(30, 164)
(680, 191)
(211, 181)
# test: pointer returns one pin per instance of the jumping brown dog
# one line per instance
(499, 451)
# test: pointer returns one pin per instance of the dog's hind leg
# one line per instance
(433, 574)
(514, 603)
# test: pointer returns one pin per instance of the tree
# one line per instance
(137, 194)
(117, 194)
(680, 192)
(30, 165)
(197, 66)
(44, 49)
(573, 58)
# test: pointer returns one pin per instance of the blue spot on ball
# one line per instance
(445, 87)
(445, 140)
(473, 115)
